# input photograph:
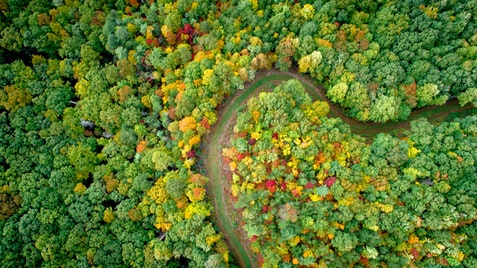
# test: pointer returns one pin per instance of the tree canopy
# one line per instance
(326, 197)
(104, 105)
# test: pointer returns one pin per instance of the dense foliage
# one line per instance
(93, 166)
(310, 192)
(104, 103)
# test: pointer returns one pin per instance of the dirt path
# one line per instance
(225, 215)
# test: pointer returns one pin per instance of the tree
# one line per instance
(175, 185)
(384, 108)
(469, 96)
(13, 98)
(337, 93)
(357, 99)
(11, 39)
(285, 51)
(310, 61)
(344, 242)
(103, 105)
(161, 157)
(426, 94)
(83, 159)
(395, 152)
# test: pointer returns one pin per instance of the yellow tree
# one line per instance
(13, 98)
(187, 123)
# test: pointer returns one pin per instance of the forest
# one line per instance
(309, 191)
(105, 104)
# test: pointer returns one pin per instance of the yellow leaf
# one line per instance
(226, 256)
(187, 123)
(459, 256)
(233, 166)
(158, 192)
(235, 190)
(307, 11)
(412, 152)
(413, 239)
(194, 140)
(384, 207)
(373, 228)
(308, 253)
(210, 240)
(188, 163)
(108, 215)
(256, 135)
(294, 241)
(297, 141)
(338, 225)
(79, 188)
(256, 116)
(315, 198)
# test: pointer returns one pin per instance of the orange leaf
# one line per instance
(141, 146)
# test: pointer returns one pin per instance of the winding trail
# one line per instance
(226, 217)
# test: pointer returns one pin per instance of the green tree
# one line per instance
(384, 108)
(469, 96)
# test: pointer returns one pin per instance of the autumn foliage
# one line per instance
(104, 107)
(322, 195)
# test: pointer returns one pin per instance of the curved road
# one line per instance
(224, 214)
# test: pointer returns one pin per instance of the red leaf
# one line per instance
(272, 189)
(188, 28)
(415, 253)
(191, 154)
(309, 185)
(205, 123)
(295, 193)
(284, 186)
(271, 186)
(260, 260)
(271, 183)
(225, 160)
(242, 134)
(260, 186)
(364, 260)
(241, 156)
(330, 181)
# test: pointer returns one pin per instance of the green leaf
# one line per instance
(322, 190)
